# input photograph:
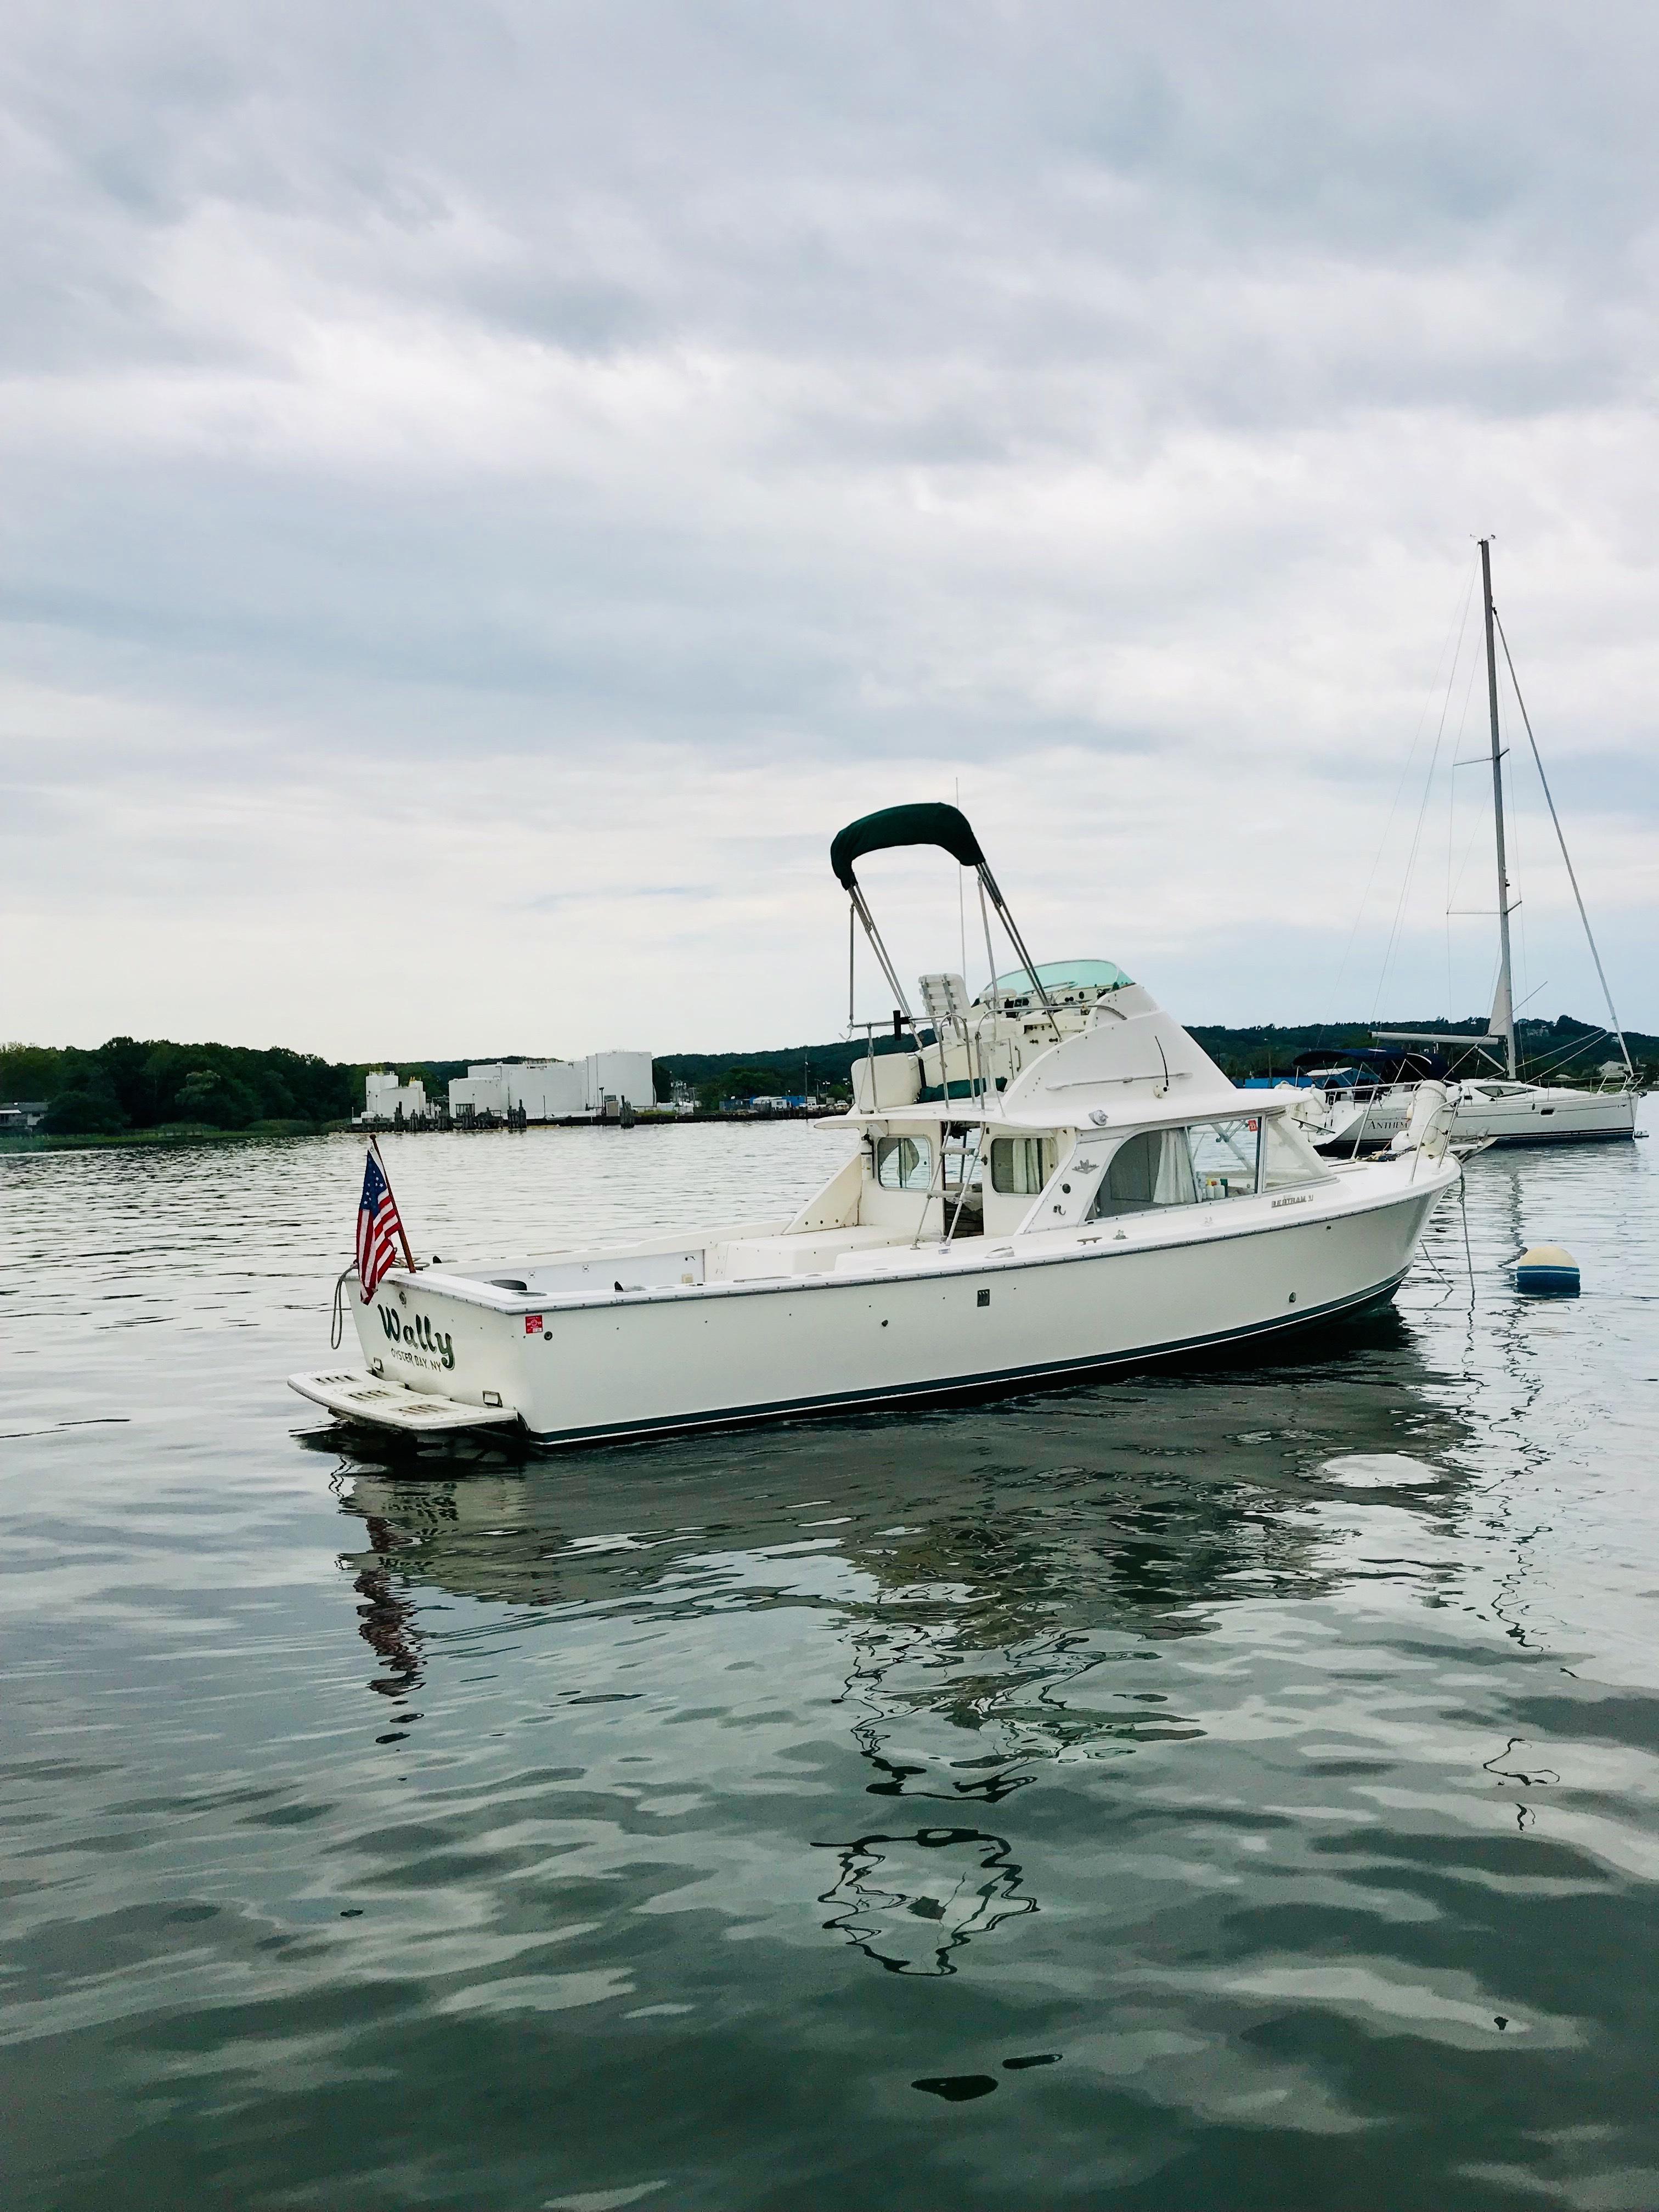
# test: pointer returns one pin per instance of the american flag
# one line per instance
(380, 1232)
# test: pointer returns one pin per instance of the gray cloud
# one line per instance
(1093, 404)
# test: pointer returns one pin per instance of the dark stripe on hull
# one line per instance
(985, 1384)
(1565, 1137)
(1346, 1151)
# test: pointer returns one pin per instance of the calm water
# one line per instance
(1225, 1787)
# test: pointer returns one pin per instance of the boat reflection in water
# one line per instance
(386, 1617)
(909, 1901)
(982, 1596)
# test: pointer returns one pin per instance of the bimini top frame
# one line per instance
(927, 823)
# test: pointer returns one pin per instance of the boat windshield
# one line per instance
(1061, 978)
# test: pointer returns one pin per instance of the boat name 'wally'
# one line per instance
(421, 1333)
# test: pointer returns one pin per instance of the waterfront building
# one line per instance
(554, 1090)
(383, 1094)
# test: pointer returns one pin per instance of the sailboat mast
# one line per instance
(1502, 1010)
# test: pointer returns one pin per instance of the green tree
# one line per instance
(205, 1095)
(737, 1084)
(124, 1065)
(30, 1071)
(83, 1114)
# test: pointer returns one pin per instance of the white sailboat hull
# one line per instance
(1530, 1113)
(1555, 1116)
(896, 1325)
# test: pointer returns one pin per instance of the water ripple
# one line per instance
(1248, 1773)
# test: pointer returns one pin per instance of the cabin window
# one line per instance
(1286, 1156)
(904, 1163)
(1021, 1165)
(1152, 1168)
(1224, 1157)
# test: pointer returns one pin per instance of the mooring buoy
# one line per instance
(1548, 1271)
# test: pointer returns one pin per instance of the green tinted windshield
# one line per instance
(1066, 975)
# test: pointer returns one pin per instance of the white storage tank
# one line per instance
(620, 1075)
(383, 1095)
(481, 1090)
(546, 1090)
(553, 1090)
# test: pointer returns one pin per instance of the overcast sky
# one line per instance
(491, 489)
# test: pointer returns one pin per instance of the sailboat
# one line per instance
(1367, 1098)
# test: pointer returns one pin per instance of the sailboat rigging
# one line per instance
(1616, 1028)
(1509, 1111)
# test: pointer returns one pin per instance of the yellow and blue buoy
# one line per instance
(1548, 1271)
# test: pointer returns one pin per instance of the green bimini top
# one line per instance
(1064, 976)
(927, 823)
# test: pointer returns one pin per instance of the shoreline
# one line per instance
(172, 1137)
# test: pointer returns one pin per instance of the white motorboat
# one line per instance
(1368, 1096)
(1048, 1181)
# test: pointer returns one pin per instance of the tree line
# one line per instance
(1548, 1051)
(133, 1083)
(130, 1084)
(821, 1070)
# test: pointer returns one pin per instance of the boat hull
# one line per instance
(660, 1361)
(1544, 1117)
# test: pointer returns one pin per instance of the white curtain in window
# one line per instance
(1174, 1186)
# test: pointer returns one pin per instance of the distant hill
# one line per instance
(132, 1085)
(1565, 1048)
(1562, 1049)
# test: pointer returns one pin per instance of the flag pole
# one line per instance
(403, 1234)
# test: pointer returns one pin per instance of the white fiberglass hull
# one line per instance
(1554, 1117)
(904, 1325)
(1529, 1114)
